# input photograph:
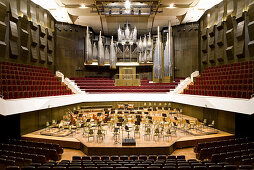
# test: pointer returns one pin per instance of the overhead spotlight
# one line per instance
(110, 11)
(59, 29)
(171, 6)
(139, 12)
(132, 12)
(83, 6)
(120, 11)
(70, 29)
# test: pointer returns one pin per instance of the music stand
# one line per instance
(137, 123)
(115, 135)
(146, 113)
(88, 120)
(164, 115)
(128, 131)
(98, 114)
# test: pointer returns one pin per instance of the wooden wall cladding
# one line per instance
(220, 38)
(220, 54)
(3, 9)
(34, 38)
(204, 46)
(212, 42)
(220, 25)
(251, 30)
(23, 38)
(211, 56)
(211, 31)
(49, 33)
(34, 53)
(251, 48)
(42, 56)
(13, 49)
(230, 37)
(251, 11)
(42, 42)
(50, 58)
(240, 31)
(240, 49)
(42, 31)
(13, 31)
(13, 10)
(229, 22)
(230, 52)
(204, 34)
(2, 31)
(204, 58)
(50, 47)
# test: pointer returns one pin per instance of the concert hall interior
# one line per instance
(126, 84)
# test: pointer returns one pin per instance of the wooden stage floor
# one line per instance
(144, 144)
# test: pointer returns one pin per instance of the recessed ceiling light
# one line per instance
(83, 6)
(171, 6)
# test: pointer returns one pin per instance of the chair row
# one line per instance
(228, 72)
(224, 82)
(201, 145)
(225, 77)
(28, 94)
(232, 65)
(29, 82)
(220, 93)
(226, 87)
(8, 64)
(26, 73)
(32, 87)
(27, 77)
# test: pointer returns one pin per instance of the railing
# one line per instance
(127, 79)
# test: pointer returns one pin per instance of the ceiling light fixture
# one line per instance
(171, 6)
(83, 6)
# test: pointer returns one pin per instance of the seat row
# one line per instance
(25, 68)
(225, 77)
(230, 66)
(26, 73)
(201, 145)
(32, 87)
(224, 82)
(223, 87)
(229, 72)
(27, 77)
(220, 93)
(30, 82)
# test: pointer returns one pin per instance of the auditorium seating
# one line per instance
(233, 80)
(21, 153)
(234, 151)
(93, 84)
(25, 81)
(151, 162)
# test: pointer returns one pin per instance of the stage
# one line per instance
(145, 144)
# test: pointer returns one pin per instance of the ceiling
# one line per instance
(107, 15)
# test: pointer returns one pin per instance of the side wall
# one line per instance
(225, 36)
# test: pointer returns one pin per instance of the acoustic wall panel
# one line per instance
(220, 25)
(220, 38)
(204, 58)
(251, 30)
(240, 49)
(229, 22)
(211, 56)
(220, 54)
(240, 31)
(42, 56)
(34, 53)
(204, 46)
(2, 31)
(34, 38)
(251, 48)
(13, 49)
(230, 37)
(24, 51)
(42, 31)
(50, 58)
(13, 10)
(23, 38)
(50, 47)
(251, 12)
(204, 34)
(211, 31)
(3, 10)
(230, 52)
(42, 42)
(50, 35)
(211, 42)
(13, 31)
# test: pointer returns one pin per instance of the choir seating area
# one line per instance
(95, 84)
(233, 80)
(25, 81)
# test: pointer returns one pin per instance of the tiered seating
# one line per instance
(24, 81)
(134, 162)
(234, 80)
(23, 153)
(233, 151)
(92, 84)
